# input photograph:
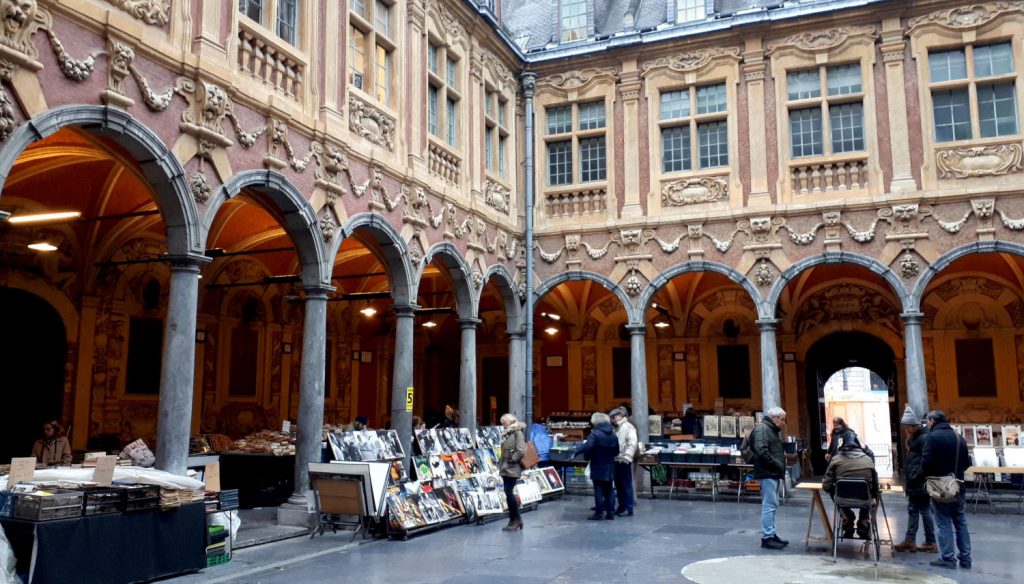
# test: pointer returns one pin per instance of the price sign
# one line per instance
(104, 473)
(211, 475)
(408, 399)
(22, 471)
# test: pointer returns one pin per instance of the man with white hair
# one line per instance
(769, 469)
(626, 434)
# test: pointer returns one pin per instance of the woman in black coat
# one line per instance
(601, 448)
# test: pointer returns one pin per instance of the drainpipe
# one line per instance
(528, 81)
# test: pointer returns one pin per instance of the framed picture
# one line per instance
(711, 426)
(366, 356)
(553, 361)
(746, 425)
(654, 429)
(727, 426)
(758, 416)
(1011, 436)
(983, 436)
(969, 435)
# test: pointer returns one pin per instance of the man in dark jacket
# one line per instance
(601, 448)
(945, 453)
(769, 470)
(851, 462)
(918, 501)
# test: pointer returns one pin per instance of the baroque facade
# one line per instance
(295, 211)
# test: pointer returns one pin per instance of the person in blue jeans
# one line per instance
(626, 434)
(945, 453)
(769, 469)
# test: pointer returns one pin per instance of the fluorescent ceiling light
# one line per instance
(430, 324)
(43, 217)
(42, 246)
(660, 324)
(553, 316)
(551, 330)
(368, 311)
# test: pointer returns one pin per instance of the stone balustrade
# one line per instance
(830, 176)
(270, 60)
(444, 164)
(581, 203)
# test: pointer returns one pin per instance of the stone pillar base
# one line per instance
(296, 515)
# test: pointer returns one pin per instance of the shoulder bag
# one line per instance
(530, 458)
(946, 489)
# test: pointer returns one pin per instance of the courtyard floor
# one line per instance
(559, 545)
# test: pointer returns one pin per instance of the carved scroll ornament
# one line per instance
(822, 40)
(978, 161)
(966, 17)
(370, 123)
(692, 191)
(155, 12)
(689, 61)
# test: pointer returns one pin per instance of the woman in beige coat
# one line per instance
(513, 448)
(53, 448)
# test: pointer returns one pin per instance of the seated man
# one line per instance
(851, 462)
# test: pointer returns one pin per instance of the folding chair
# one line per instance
(854, 494)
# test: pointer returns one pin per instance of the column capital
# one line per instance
(767, 324)
(912, 318)
(317, 292)
(515, 335)
(188, 262)
(637, 329)
(469, 323)
(405, 310)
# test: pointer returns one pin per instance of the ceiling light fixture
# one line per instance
(43, 217)
(660, 324)
(430, 324)
(551, 330)
(368, 311)
(42, 246)
(553, 316)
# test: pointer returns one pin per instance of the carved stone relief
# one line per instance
(996, 160)
(370, 123)
(155, 12)
(497, 196)
(966, 17)
(692, 191)
(822, 40)
(847, 302)
(689, 61)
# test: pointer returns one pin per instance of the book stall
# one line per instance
(997, 456)
(457, 481)
(567, 429)
(103, 521)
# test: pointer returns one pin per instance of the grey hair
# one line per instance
(937, 415)
(599, 418)
(775, 412)
(508, 420)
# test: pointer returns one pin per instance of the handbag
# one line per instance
(946, 489)
(530, 458)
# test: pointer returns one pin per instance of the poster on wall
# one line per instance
(727, 427)
(969, 435)
(654, 428)
(983, 436)
(1011, 436)
(746, 425)
(711, 426)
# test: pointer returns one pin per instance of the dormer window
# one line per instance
(574, 20)
(691, 10)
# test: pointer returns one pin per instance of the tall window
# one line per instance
(442, 87)
(826, 110)
(576, 128)
(574, 20)
(690, 10)
(973, 92)
(495, 134)
(371, 37)
(284, 23)
(975, 368)
(682, 125)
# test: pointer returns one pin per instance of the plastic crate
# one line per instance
(101, 500)
(56, 504)
(218, 559)
(141, 504)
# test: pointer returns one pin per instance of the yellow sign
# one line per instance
(408, 399)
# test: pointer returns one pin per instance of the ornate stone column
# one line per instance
(467, 374)
(638, 378)
(893, 55)
(770, 395)
(630, 87)
(174, 421)
(401, 378)
(753, 75)
(516, 380)
(917, 383)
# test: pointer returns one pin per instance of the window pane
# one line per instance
(675, 149)
(560, 163)
(489, 103)
(997, 110)
(592, 115)
(592, 159)
(383, 74)
(805, 130)
(488, 152)
(847, 122)
(843, 80)
(382, 19)
(952, 115)
(432, 58)
(357, 54)
(559, 119)
(993, 60)
(713, 140)
(359, 7)
(450, 71)
(286, 14)
(252, 8)
(502, 104)
(804, 84)
(451, 118)
(947, 65)
(574, 20)
(432, 98)
(501, 156)
(675, 104)
(689, 10)
(711, 99)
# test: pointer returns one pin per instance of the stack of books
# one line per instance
(228, 499)
(217, 551)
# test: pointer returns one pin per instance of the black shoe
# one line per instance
(770, 543)
(609, 516)
(596, 517)
(940, 563)
(780, 540)
(965, 566)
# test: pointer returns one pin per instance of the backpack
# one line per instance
(746, 447)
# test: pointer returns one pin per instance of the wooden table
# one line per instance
(818, 506)
(985, 476)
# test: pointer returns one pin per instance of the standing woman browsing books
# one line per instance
(513, 448)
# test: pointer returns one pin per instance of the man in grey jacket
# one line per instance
(626, 434)
(769, 470)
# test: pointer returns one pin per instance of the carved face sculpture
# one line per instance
(572, 242)
(17, 14)
(695, 231)
(760, 225)
(215, 102)
(831, 219)
(904, 212)
(630, 237)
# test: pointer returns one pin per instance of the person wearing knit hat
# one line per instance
(918, 502)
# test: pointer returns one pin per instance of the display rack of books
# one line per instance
(217, 550)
